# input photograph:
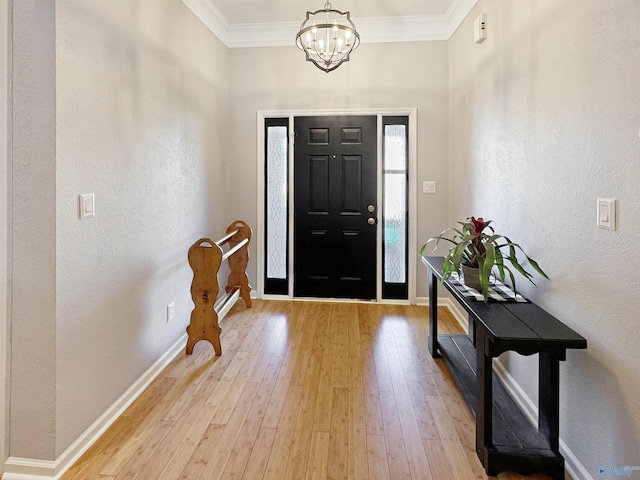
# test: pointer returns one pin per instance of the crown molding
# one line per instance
(419, 28)
(278, 34)
(456, 13)
(212, 18)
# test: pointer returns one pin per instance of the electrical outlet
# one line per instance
(171, 311)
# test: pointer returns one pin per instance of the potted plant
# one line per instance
(475, 248)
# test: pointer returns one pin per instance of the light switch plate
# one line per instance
(428, 187)
(87, 205)
(606, 213)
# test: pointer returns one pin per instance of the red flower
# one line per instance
(478, 225)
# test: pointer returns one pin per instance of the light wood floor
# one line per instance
(303, 390)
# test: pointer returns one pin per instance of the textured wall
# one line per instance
(33, 261)
(5, 15)
(543, 120)
(399, 75)
(142, 111)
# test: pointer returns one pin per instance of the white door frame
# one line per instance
(5, 209)
(412, 113)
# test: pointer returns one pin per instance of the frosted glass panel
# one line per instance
(395, 147)
(394, 220)
(277, 202)
(394, 225)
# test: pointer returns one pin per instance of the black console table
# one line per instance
(505, 439)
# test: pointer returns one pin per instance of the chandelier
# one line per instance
(327, 37)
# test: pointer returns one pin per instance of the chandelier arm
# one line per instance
(316, 52)
(334, 50)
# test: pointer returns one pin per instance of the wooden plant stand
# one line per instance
(205, 257)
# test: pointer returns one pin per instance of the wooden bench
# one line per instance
(505, 439)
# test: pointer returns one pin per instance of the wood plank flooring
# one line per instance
(302, 391)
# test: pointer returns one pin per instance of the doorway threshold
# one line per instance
(336, 300)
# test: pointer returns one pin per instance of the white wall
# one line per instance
(399, 75)
(142, 111)
(33, 260)
(543, 120)
(128, 100)
(5, 66)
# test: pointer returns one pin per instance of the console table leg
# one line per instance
(432, 340)
(484, 399)
(549, 395)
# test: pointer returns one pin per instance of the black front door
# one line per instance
(335, 207)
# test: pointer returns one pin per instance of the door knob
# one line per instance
(371, 221)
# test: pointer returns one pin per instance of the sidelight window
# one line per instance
(276, 205)
(395, 207)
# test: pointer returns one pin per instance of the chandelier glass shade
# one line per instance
(327, 37)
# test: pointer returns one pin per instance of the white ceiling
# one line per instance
(269, 11)
(267, 23)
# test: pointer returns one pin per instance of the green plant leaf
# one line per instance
(513, 278)
(493, 239)
(479, 249)
(459, 250)
(484, 281)
(536, 267)
(520, 269)
(437, 239)
(500, 264)
(489, 260)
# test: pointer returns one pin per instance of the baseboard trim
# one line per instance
(453, 307)
(423, 300)
(17, 468)
(572, 465)
(457, 313)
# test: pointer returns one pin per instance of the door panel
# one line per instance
(351, 185)
(319, 185)
(334, 184)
